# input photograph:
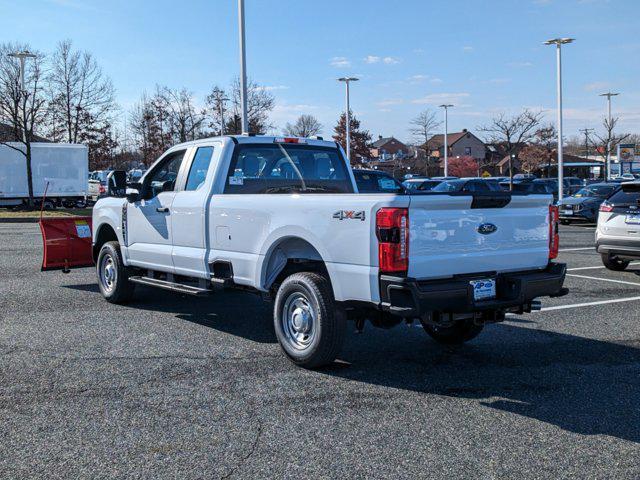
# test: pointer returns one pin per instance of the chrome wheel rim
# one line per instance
(298, 321)
(108, 273)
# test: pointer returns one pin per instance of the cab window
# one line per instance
(199, 168)
(163, 177)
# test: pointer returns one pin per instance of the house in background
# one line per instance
(388, 148)
(462, 143)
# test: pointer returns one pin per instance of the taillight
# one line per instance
(102, 189)
(392, 230)
(606, 207)
(554, 236)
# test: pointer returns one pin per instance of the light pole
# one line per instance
(22, 56)
(558, 42)
(446, 138)
(610, 131)
(346, 81)
(243, 69)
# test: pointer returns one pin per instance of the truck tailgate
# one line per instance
(445, 235)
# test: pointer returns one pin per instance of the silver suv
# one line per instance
(618, 232)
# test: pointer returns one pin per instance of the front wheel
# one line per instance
(460, 332)
(113, 275)
(614, 263)
(308, 324)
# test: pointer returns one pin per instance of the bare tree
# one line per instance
(260, 102)
(423, 126)
(185, 119)
(545, 137)
(305, 126)
(608, 142)
(22, 110)
(513, 132)
(81, 95)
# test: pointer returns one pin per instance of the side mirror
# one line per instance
(132, 195)
(117, 183)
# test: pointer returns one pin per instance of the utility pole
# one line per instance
(243, 69)
(586, 132)
(446, 139)
(346, 81)
(609, 132)
(558, 42)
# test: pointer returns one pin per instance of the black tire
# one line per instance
(460, 332)
(309, 326)
(614, 263)
(113, 276)
(565, 222)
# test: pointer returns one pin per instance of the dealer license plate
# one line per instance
(484, 289)
(632, 219)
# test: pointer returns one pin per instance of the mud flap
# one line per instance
(66, 243)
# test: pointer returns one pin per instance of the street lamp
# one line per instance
(243, 69)
(558, 42)
(610, 130)
(346, 81)
(22, 56)
(446, 142)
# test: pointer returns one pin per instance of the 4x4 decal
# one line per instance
(349, 215)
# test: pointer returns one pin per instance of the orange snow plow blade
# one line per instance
(66, 243)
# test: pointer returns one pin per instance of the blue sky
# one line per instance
(484, 56)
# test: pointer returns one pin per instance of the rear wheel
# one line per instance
(565, 222)
(309, 326)
(460, 332)
(614, 263)
(113, 275)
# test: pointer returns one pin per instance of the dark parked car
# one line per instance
(467, 185)
(584, 205)
(373, 181)
(420, 183)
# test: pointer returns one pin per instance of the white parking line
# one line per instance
(576, 249)
(595, 268)
(589, 304)
(602, 279)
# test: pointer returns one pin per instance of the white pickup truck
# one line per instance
(282, 216)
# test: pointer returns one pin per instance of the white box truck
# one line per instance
(64, 166)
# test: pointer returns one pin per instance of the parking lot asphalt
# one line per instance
(177, 387)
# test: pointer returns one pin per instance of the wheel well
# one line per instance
(105, 234)
(290, 256)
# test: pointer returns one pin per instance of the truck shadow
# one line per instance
(582, 385)
(586, 386)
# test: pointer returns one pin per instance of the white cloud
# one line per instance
(420, 78)
(591, 87)
(390, 102)
(467, 49)
(390, 60)
(371, 59)
(520, 64)
(438, 98)
(340, 62)
(270, 88)
(499, 81)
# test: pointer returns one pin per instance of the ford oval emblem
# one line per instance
(487, 228)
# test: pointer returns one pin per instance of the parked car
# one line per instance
(538, 186)
(467, 185)
(584, 205)
(444, 178)
(375, 181)
(571, 185)
(421, 184)
(280, 217)
(618, 230)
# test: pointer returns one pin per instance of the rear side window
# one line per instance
(625, 196)
(199, 168)
(286, 168)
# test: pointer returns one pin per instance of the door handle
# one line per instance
(162, 209)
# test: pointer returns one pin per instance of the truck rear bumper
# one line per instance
(408, 297)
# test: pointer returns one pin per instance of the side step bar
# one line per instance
(174, 287)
